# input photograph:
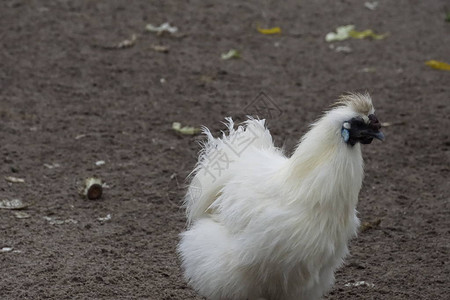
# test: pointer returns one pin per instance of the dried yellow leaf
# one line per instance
(273, 30)
(348, 31)
(438, 65)
(366, 33)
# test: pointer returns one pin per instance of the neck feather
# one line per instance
(325, 168)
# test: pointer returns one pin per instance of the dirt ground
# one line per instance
(68, 99)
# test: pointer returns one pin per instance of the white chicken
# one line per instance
(263, 225)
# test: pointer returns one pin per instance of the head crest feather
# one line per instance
(360, 103)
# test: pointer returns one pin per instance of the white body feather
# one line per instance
(269, 226)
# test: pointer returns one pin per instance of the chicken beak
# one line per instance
(374, 128)
(378, 135)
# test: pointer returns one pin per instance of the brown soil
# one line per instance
(66, 99)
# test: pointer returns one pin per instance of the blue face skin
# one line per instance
(357, 131)
(345, 134)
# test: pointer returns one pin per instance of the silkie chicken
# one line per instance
(265, 226)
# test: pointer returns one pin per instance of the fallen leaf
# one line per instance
(127, 43)
(186, 129)
(107, 218)
(368, 33)
(343, 49)
(165, 27)
(14, 179)
(371, 5)
(342, 33)
(273, 30)
(370, 225)
(13, 204)
(52, 166)
(21, 215)
(360, 283)
(231, 54)
(438, 65)
(348, 31)
(122, 45)
(368, 70)
(160, 48)
(207, 78)
(57, 221)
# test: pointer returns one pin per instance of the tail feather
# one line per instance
(216, 159)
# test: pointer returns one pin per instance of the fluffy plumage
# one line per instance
(263, 225)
